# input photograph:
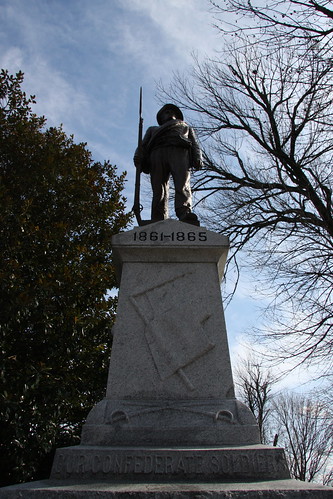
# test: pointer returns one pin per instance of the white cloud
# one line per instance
(57, 99)
(56, 96)
(13, 59)
(155, 36)
(187, 25)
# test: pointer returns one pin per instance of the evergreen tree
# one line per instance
(59, 210)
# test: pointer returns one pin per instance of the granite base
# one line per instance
(275, 489)
(255, 462)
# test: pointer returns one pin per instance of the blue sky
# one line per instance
(85, 62)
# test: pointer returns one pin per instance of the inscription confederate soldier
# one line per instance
(170, 149)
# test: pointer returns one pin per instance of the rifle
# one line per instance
(137, 207)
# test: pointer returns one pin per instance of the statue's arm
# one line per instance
(140, 150)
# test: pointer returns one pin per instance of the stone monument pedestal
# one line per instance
(81, 489)
(170, 417)
(170, 380)
(170, 409)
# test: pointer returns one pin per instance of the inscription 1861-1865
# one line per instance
(179, 236)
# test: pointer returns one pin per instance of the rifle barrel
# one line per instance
(140, 121)
(137, 207)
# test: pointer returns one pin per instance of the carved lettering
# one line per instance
(69, 467)
(148, 467)
(188, 462)
(244, 463)
(81, 463)
(117, 464)
(158, 464)
(180, 236)
(180, 466)
(60, 463)
(128, 463)
(168, 464)
(106, 468)
(225, 464)
(215, 464)
(96, 464)
(198, 461)
(262, 464)
(138, 464)
(230, 464)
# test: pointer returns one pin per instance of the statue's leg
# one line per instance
(180, 171)
(159, 177)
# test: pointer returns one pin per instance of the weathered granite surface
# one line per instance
(170, 380)
(274, 489)
(253, 462)
(170, 410)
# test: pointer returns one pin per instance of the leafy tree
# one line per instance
(59, 210)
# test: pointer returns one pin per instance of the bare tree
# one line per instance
(328, 478)
(254, 383)
(305, 431)
(302, 424)
(294, 21)
(265, 121)
(325, 392)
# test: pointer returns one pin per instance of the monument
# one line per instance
(169, 425)
(170, 409)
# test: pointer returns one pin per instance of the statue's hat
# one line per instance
(177, 111)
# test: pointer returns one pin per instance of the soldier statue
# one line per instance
(170, 148)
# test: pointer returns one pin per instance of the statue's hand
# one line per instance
(137, 160)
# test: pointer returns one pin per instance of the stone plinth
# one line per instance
(170, 380)
(79, 489)
(170, 410)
